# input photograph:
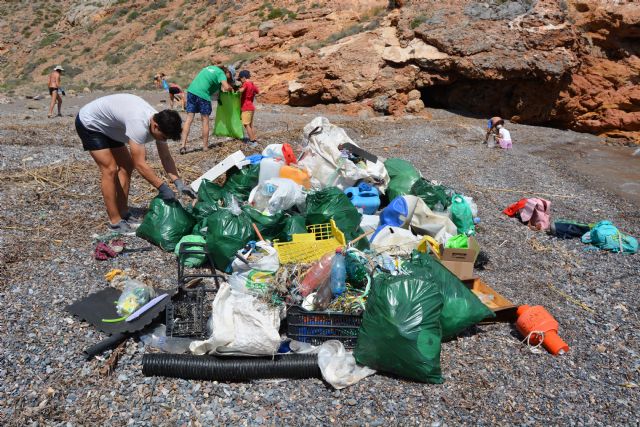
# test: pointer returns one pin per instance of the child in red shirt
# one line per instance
(249, 92)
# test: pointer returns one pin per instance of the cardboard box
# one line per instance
(460, 261)
(504, 309)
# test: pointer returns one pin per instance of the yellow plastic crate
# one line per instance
(308, 247)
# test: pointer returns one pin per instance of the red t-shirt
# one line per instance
(249, 93)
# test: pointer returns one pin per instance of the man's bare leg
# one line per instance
(59, 103)
(54, 98)
(185, 130)
(125, 167)
(108, 176)
(205, 132)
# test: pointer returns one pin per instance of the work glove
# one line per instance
(184, 189)
(166, 193)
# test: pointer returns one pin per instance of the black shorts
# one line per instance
(52, 89)
(92, 140)
(175, 91)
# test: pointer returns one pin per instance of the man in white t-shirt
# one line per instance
(106, 126)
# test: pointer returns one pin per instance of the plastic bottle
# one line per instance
(269, 168)
(262, 196)
(338, 274)
(317, 274)
(323, 297)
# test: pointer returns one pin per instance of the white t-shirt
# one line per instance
(504, 134)
(121, 117)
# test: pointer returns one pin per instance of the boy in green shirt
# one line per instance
(208, 81)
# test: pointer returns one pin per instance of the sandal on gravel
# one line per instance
(183, 150)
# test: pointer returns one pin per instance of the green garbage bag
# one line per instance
(228, 121)
(240, 182)
(435, 196)
(461, 215)
(400, 330)
(331, 202)
(461, 308)
(294, 224)
(270, 226)
(459, 241)
(202, 223)
(191, 260)
(402, 176)
(209, 195)
(228, 230)
(165, 224)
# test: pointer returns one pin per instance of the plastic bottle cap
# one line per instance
(339, 250)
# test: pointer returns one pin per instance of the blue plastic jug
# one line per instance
(364, 196)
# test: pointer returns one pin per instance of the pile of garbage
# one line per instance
(334, 262)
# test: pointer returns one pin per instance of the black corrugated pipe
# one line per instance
(190, 367)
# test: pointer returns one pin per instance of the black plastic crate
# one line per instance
(187, 313)
(316, 327)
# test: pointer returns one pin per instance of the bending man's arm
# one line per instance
(167, 161)
(138, 155)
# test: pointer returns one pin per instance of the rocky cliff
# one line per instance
(571, 64)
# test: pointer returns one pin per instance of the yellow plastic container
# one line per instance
(298, 175)
(308, 247)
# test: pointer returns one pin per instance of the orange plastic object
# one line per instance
(289, 155)
(537, 319)
(296, 174)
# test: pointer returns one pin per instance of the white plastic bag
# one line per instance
(395, 241)
(286, 195)
(338, 366)
(369, 222)
(426, 222)
(254, 278)
(158, 339)
(327, 167)
(241, 325)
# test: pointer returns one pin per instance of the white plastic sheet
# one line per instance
(426, 222)
(241, 324)
(323, 160)
(338, 366)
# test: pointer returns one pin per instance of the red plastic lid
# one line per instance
(289, 155)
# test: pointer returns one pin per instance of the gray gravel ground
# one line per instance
(48, 217)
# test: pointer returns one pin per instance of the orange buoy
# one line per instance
(537, 323)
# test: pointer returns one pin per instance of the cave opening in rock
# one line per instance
(529, 101)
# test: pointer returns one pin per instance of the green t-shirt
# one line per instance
(207, 82)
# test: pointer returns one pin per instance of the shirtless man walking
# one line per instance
(54, 88)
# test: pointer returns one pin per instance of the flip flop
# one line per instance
(183, 150)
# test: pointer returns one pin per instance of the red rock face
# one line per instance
(569, 64)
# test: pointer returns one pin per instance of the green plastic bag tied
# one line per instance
(228, 121)
(209, 196)
(294, 224)
(165, 224)
(332, 203)
(400, 331)
(226, 234)
(402, 176)
(461, 215)
(270, 226)
(240, 182)
(191, 260)
(461, 308)
(435, 196)
(459, 241)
